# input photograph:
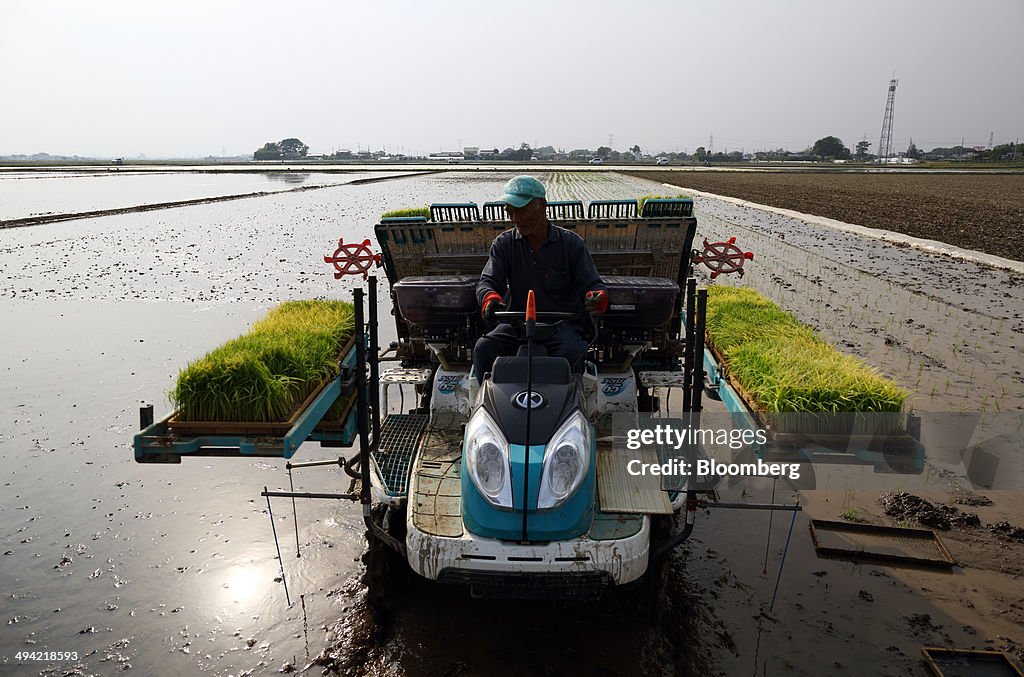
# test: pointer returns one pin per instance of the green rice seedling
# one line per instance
(851, 514)
(786, 367)
(265, 374)
(411, 211)
(644, 198)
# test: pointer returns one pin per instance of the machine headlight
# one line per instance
(487, 459)
(566, 462)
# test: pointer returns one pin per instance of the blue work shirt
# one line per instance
(559, 273)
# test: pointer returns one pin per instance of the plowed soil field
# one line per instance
(983, 212)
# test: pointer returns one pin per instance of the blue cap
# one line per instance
(521, 190)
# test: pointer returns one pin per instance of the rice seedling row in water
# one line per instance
(264, 375)
(785, 366)
(644, 198)
(411, 211)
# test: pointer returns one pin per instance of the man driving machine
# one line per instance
(550, 260)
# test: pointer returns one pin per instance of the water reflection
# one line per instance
(69, 193)
(242, 583)
(288, 177)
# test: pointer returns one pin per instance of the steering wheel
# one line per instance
(549, 320)
(550, 317)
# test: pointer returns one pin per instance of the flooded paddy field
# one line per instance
(37, 194)
(173, 568)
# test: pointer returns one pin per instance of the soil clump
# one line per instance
(904, 506)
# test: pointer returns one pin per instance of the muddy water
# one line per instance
(128, 564)
(164, 567)
(173, 567)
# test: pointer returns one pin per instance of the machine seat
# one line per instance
(546, 370)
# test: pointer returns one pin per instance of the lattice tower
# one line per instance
(885, 142)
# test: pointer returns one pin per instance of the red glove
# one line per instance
(596, 301)
(492, 303)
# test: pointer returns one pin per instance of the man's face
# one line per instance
(530, 218)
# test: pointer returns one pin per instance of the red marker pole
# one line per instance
(531, 314)
(531, 324)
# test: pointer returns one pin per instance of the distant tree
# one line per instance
(1003, 151)
(270, 151)
(830, 147)
(524, 153)
(913, 152)
(941, 152)
(862, 149)
(603, 152)
(293, 147)
(635, 150)
(701, 154)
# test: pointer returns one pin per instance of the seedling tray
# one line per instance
(879, 449)
(167, 440)
(851, 540)
(969, 663)
(346, 359)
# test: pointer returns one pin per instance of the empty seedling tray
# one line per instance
(969, 663)
(868, 541)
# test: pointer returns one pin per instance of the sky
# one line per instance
(112, 78)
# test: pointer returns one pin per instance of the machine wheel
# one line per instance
(387, 571)
(653, 598)
(646, 402)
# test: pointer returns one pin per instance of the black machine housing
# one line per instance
(443, 307)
